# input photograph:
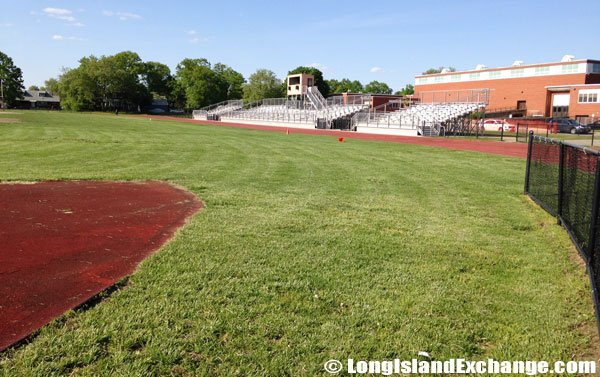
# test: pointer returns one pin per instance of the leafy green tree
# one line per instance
(262, 84)
(104, 83)
(77, 89)
(51, 85)
(12, 81)
(376, 87)
(346, 86)
(157, 78)
(125, 71)
(202, 86)
(33, 87)
(235, 81)
(407, 90)
(433, 71)
(320, 83)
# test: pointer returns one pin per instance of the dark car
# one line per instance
(595, 125)
(568, 125)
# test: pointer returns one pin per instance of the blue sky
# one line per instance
(387, 41)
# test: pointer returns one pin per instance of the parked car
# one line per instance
(568, 125)
(497, 124)
(595, 125)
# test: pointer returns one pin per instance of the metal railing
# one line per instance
(298, 116)
(564, 179)
(412, 116)
(455, 96)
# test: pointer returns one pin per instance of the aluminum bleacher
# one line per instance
(312, 110)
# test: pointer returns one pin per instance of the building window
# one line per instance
(542, 71)
(423, 80)
(455, 77)
(517, 72)
(588, 98)
(595, 68)
(570, 68)
(495, 75)
(439, 78)
(474, 76)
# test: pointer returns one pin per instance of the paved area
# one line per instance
(61, 243)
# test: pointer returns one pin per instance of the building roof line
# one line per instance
(511, 67)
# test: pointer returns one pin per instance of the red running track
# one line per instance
(492, 147)
(61, 243)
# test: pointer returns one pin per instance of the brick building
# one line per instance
(570, 88)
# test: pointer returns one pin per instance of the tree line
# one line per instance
(125, 81)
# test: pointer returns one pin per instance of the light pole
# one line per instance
(2, 93)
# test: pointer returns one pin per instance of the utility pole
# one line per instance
(2, 93)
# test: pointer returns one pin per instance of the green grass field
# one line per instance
(308, 250)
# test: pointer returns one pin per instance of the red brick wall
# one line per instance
(505, 93)
(588, 109)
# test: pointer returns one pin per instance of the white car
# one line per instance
(497, 124)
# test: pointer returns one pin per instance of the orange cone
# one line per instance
(287, 131)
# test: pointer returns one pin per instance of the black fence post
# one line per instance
(561, 166)
(593, 137)
(528, 166)
(502, 132)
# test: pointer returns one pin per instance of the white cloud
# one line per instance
(376, 70)
(123, 16)
(78, 24)
(191, 32)
(320, 67)
(62, 14)
(57, 37)
(7, 24)
(199, 39)
(57, 11)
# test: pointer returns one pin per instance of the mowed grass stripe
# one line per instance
(308, 250)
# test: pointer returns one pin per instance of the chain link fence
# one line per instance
(564, 179)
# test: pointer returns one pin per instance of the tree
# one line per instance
(202, 86)
(234, 80)
(346, 86)
(125, 71)
(262, 84)
(408, 90)
(376, 87)
(12, 81)
(433, 71)
(105, 83)
(51, 85)
(77, 89)
(33, 87)
(320, 83)
(157, 78)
